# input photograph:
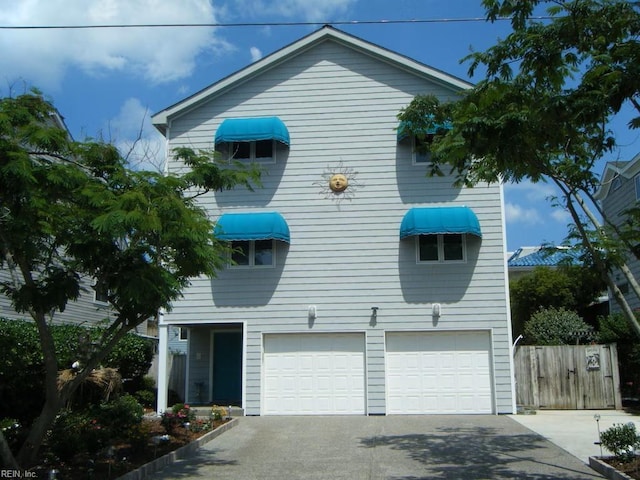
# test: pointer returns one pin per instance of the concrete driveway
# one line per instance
(460, 447)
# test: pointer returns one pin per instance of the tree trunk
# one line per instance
(8, 460)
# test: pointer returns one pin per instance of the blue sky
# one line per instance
(107, 82)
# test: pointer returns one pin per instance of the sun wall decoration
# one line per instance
(338, 183)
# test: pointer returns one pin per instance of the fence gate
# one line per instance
(568, 377)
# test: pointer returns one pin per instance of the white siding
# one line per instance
(340, 107)
(614, 205)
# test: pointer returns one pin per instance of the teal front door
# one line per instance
(227, 368)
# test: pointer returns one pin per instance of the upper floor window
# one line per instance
(262, 151)
(616, 183)
(253, 253)
(637, 183)
(100, 293)
(441, 248)
(421, 155)
(253, 139)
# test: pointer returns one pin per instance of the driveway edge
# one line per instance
(607, 470)
(181, 453)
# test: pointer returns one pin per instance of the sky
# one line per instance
(107, 82)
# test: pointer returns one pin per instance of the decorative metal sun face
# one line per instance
(338, 183)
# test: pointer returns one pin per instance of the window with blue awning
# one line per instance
(234, 130)
(252, 226)
(440, 221)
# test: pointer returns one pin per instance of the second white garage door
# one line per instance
(448, 372)
(314, 374)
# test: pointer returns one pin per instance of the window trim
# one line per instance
(252, 255)
(636, 182)
(441, 260)
(252, 155)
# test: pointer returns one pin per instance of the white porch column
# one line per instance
(163, 361)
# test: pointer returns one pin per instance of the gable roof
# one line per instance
(541, 257)
(626, 169)
(327, 33)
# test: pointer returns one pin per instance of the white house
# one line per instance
(360, 285)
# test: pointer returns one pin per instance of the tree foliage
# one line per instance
(571, 287)
(542, 113)
(557, 326)
(73, 210)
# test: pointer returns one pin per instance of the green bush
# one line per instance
(621, 440)
(146, 398)
(557, 326)
(21, 361)
(76, 433)
(119, 415)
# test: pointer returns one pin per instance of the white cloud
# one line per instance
(256, 54)
(42, 57)
(518, 214)
(310, 11)
(131, 131)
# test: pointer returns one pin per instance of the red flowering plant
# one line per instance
(180, 416)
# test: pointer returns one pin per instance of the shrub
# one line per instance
(621, 440)
(146, 398)
(119, 415)
(218, 412)
(179, 415)
(76, 433)
(557, 326)
(616, 329)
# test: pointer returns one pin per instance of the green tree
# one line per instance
(557, 326)
(543, 112)
(72, 210)
(569, 286)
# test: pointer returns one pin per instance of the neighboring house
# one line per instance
(620, 190)
(525, 259)
(359, 285)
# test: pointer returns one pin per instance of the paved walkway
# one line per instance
(461, 447)
(575, 431)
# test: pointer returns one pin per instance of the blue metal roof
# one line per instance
(252, 130)
(439, 220)
(252, 226)
(544, 257)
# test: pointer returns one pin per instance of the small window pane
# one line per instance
(101, 293)
(264, 149)
(241, 150)
(183, 333)
(428, 248)
(422, 156)
(637, 180)
(240, 255)
(452, 247)
(264, 252)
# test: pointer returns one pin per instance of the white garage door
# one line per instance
(314, 374)
(438, 373)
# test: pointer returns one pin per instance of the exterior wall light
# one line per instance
(435, 309)
(312, 312)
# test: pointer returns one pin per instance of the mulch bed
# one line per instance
(629, 468)
(123, 458)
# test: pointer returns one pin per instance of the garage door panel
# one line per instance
(327, 369)
(448, 372)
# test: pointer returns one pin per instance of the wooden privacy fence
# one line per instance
(568, 377)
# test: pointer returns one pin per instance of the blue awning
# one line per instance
(252, 130)
(439, 220)
(404, 131)
(252, 226)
